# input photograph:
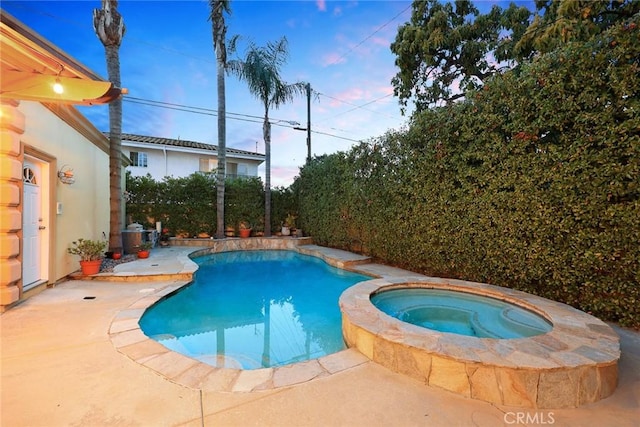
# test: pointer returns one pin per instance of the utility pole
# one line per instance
(308, 123)
(308, 128)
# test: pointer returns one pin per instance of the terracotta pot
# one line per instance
(90, 268)
(245, 232)
(143, 254)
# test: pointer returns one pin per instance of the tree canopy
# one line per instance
(448, 48)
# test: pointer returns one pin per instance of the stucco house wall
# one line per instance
(84, 205)
(180, 158)
(55, 137)
(41, 134)
(181, 164)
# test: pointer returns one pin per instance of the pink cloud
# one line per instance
(381, 90)
(380, 41)
(332, 58)
(351, 95)
(282, 176)
(322, 5)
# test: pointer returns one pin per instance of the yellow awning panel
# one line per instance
(23, 85)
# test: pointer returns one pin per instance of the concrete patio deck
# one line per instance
(59, 367)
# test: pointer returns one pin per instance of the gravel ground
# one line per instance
(108, 263)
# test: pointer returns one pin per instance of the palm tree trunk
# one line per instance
(222, 152)
(115, 154)
(218, 7)
(109, 27)
(266, 130)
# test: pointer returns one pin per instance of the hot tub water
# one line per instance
(460, 313)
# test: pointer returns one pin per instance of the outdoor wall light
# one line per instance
(65, 175)
(57, 86)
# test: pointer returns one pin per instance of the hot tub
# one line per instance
(574, 363)
(460, 313)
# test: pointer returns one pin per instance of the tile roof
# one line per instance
(183, 143)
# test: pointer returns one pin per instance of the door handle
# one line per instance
(42, 227)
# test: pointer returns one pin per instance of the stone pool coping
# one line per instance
(572, 365)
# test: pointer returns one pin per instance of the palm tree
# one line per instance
(261, 70)
(109, 26)
(218, 7)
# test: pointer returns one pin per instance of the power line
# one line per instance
(370, 35)
(192, 109)
(213, 112)
(351, 50)
(358, 106)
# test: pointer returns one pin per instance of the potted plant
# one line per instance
(143, 249)
(164, 237)
(113, 255)
(90, 252)
(244, 229)
(289, 223)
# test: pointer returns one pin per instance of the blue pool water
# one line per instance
(460, 313)
(254, 309)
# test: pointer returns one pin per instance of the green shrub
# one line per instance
(187, 206)
(88, 250)
(244, 201)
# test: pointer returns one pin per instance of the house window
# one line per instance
(232, 170)
(208, 165)
(138, 159)
(29, 176)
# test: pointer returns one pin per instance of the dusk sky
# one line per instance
(340, 47)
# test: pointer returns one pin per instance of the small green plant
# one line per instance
(290, 221)
(145, 246)
(88, 250)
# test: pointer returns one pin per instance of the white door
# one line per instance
(31, 226)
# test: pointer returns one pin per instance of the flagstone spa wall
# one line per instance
(573, 365)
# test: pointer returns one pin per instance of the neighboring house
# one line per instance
(54, 164)
(160, 157)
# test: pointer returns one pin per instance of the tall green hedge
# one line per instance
(187, 206)
(183, 205)
(531, 183)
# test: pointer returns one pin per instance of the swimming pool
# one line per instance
(573, 364)
(254, 309)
